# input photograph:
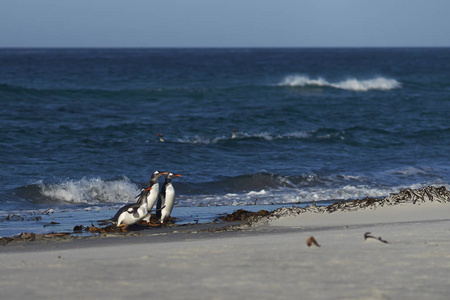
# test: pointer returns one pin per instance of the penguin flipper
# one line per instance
(158, 209)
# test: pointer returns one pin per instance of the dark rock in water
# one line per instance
(14, 217)
(79, 228)
(50, 224)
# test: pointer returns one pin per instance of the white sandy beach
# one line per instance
(266, 261)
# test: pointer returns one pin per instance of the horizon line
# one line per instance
(220, 47)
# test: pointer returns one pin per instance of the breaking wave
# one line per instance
(258, 188)
(351, 84)
(94, 190)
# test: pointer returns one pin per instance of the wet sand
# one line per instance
(269, 260)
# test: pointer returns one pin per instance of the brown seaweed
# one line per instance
(425, 194)
(312, 241)
(243, 215)
(29, 236)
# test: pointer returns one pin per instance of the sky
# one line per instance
(224, 23)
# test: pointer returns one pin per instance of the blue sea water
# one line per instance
(78, 128)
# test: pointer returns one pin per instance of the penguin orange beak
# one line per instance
(177, 175)
(144, 190)
(164, 173)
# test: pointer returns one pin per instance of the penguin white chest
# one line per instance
(168, 202)
(131, 216)
(153, 196)
(126, 217)
(142, 212)
(170, 195)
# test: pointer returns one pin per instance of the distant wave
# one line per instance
(351, 84)
(269, 188)
(319, 134)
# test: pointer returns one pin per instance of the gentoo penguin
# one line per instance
(161, 139)
(153, 196)
(233, 135)
(166, 198)
(133, 213)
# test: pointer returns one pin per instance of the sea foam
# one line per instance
(320, 133)
(94, 190)
(351, 84)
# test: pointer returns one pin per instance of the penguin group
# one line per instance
(141, 210)
(164, 199)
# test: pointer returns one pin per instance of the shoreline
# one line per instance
(404, 258)
(371, 211)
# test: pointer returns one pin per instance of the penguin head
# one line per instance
(172, 175)
(144, 192)
(154, 178)
(158, 174)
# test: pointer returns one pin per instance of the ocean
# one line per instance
(78, 129)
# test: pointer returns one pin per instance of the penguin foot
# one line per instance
(149, 224)
(123, 227)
